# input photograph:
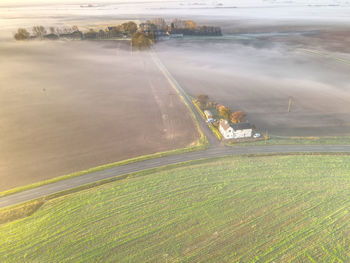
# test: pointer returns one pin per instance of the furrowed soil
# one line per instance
(69, 106)
(238, 209)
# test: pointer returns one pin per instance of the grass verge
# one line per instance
(278, 140)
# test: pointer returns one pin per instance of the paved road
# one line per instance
(216, 149)
(152, 163)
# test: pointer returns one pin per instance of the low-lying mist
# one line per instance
(69, 106)
(259, 76)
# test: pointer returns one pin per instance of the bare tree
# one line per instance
(39, 31)
(75, 28)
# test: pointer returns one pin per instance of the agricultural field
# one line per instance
(258, 69)
(237, 209)
(70, 106)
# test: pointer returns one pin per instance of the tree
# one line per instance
(225, 113)
(141, 41)
(91, 34)
(237, 117)
(159, 23)
(101, 34)
(203, 100)
(75, 28)
(39, 31)
(22, 34)
(178, 24)
(52, 30)
(190, 24)
(129, 27)
(151, 36)
(58, 31)
(115, 32)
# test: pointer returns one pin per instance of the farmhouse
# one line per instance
(235, 131)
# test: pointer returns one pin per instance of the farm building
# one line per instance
(173, 35)
(235, 131)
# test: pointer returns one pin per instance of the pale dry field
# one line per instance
(69, 106)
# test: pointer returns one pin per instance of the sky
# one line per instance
(38, 2)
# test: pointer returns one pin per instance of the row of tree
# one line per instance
(224, 112)
(53, 33)
(40, 32)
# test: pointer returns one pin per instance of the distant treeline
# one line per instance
(142, 36)
(55, 33)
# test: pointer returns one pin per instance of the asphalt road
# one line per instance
(216, 149)
(158, 162)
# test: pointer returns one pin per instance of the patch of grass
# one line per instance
(291, 208)
(276, 140)
(19, 211)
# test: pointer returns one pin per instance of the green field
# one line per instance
(277, 140)
(238, 209)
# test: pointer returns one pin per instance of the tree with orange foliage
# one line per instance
(190, 24)
(225, 112)
(218, 106)
(237, 116)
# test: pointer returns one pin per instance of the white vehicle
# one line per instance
(257, 135)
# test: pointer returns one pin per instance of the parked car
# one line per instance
(210, 120)
(257, 135)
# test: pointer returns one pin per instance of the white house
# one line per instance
(235, 131)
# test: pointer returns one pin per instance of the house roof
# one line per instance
(236, 126)
(241, 126)
(224, 124)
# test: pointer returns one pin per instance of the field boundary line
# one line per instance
(182, 94)
(325, 55)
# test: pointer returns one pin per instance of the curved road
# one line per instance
(216, 149)
(153, 163)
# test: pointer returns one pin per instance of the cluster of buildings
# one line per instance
(231, 130)
(177, 29)
(235, 130)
